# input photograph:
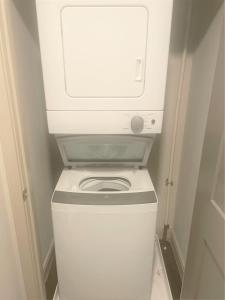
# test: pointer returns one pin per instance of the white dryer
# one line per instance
(104, 60)
(104, 212)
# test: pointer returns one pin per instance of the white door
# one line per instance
(11, 279)
(204, 276)
(20, 268)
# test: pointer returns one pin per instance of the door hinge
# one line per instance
(168, 182)
(25, 194)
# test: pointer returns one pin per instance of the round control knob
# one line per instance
(137, 124)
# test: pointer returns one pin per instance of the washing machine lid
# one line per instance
(105, 150)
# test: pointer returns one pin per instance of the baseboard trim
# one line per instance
(157, 243)
(177, 253)
(48, 261)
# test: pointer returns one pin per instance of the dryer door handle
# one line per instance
(139, 69)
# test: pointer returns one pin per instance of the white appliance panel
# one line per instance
(160, 286)
(104, 252)
(104, 51)
(128, 58)
(104, 241)
(102, 122)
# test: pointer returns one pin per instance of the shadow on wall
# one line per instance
(202, 24)
(211, 7)
(56, 160)
(180, 12)
(154, 160)
(27, 11)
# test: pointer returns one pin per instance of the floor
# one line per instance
(161, 288)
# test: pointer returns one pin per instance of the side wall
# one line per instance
(27, 67)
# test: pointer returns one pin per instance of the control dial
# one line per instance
(137, 124)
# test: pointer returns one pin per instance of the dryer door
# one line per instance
(98, 150)
(104, 51)
(104, 55)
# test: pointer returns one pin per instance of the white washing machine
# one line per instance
(104, 212)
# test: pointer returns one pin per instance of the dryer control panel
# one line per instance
(105, 122)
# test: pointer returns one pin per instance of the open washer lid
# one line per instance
(104, 150)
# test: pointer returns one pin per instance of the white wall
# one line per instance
(161, 154)
(11, 284)
(27, 65)
(202, 48)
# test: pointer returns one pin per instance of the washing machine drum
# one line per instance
(105, 184)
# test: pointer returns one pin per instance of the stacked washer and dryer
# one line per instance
(104, 67)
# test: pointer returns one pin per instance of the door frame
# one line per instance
(174, 119)
(178, 143)
(208, 217)
(15, 163)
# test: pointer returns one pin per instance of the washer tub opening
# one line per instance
(105, 184)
